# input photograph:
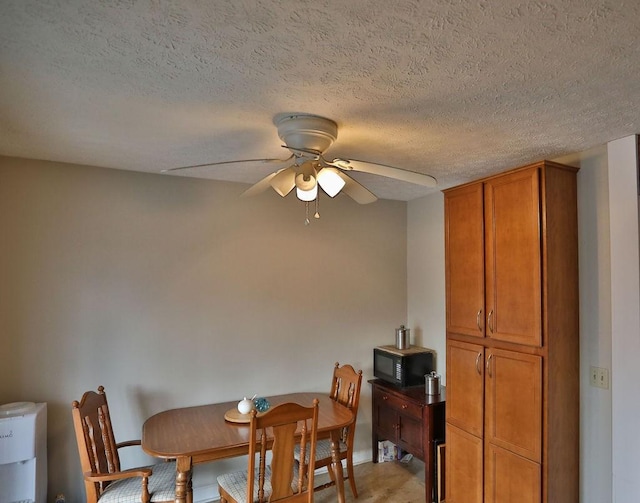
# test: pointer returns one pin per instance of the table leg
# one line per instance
(184, 491)
(336, 464)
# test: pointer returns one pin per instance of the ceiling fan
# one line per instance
(307, 137)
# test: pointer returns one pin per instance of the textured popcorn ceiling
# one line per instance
(453, 88)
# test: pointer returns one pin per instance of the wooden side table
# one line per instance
(413, 421)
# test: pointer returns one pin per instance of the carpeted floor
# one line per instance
(393, 482)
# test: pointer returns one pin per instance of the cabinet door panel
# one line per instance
(410, 435)
(514, 402)
(386, 421)
(509, 478)
(513, 258)
(463, 467)
(465, 387)
(464, 264)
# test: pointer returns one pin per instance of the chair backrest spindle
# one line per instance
(290, 425)
(345, 389)
(96, 442)
(100, 461)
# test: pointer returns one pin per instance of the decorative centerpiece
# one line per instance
(261, 404)
(246, 405)
(241, 413)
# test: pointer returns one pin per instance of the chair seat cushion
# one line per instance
(236, 484)
(323, 449)
(162, 486)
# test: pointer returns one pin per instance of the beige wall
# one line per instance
(622, 156)
(595, 326)
(173, 291)
(596, 481)
(425, 275)
(195, 293)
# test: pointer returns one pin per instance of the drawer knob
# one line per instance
(404, 405)
(385, 397)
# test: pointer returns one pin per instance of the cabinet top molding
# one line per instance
(539, 164)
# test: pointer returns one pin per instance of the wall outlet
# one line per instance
(599, 377)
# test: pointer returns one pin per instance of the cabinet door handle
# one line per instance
(478, 364)
(489, 365)
(489, 321)
(478, 319)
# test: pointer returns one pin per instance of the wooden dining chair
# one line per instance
(284, 480)
(345, 389)
(104, 480)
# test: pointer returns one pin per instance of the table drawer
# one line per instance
(401, 405)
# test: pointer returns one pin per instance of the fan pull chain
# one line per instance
(317, 213)
(306, 216)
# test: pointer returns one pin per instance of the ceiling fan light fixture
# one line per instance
(305, 181)
(306, 177)
(280, 191)
(330, 181)
(283, 181)
(307, 195)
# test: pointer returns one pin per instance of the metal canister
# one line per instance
(402, 337)
(432, 383)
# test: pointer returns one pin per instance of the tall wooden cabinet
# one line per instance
(512, 415)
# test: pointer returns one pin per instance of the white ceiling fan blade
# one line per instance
(375, 168)
(261, 186)
(284, 181)
(356, 191)
(223, 163)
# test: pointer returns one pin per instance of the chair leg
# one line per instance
(352, 479)
(332, 476)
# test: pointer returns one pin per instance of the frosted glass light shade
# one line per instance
(307, 195)
(330, 181)
(284, 181)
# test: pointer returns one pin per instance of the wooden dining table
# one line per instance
(201, 434)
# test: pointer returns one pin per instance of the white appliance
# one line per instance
(23, 452)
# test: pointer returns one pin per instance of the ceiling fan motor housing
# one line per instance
(307, 132)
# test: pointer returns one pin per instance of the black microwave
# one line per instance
(402, 367)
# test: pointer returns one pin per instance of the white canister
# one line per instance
(432, 383)
(245, 405)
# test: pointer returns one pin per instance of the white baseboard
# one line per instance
(363, 456)
(206, 493)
